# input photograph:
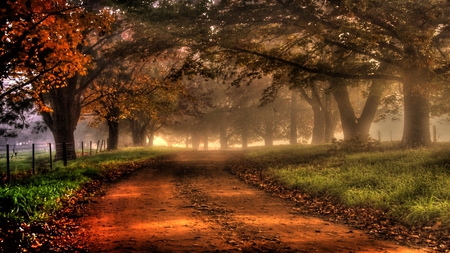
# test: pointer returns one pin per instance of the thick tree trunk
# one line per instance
(113, 134)
(138, 132)
(348, 119)
(62, 122)
(416, 129)
(353, 126)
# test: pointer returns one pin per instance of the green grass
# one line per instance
(412, 185)
(23, 163)
(36, 197)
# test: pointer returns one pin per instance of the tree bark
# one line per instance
(113, 134)
(353, 126)
(319, 127)
(416, 129)
(318, 135)
(62, 122)
(138, 132)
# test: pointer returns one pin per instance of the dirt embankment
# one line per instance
(190, 203)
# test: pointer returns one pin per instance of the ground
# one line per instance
(190, 202)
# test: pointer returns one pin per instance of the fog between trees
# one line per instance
(232, 73)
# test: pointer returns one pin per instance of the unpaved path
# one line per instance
(190, 203)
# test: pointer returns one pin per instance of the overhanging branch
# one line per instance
(323, 71)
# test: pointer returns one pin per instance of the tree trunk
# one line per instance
(113, 134)
(195, 139)
(223, 137)
(318, 134)
(416, 129)
(138, 132)
(244, 138)
(294, 114)
(348, 118)
(268, 136)
(151, 138)
(330, 122)
(353, 126)
(371, 106)
(62, 122)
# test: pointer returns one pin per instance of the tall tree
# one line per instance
(410, 36)
(40, 48)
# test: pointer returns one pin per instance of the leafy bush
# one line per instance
(356, 144)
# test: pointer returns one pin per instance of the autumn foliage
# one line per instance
(40, 45)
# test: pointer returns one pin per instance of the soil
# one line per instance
(190, 202)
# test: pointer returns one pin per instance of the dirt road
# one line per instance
(190, 203)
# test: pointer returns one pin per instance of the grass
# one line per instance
(23, 163)
(412, 185)
(35, 198)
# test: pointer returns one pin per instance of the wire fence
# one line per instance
(22, 159)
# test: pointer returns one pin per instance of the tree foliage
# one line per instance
(40, 44)
(40, 49)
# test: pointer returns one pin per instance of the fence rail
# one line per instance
(23, 159)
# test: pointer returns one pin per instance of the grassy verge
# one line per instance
(37, 197)
(411, 186)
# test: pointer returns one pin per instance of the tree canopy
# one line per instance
(315, 47)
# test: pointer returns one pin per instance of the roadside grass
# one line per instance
(37, 197)
(23, 162)
(411, 185)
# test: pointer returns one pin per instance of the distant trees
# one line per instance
(348, 40)
(319, 49)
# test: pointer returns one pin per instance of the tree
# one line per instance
(40, 45)
(66, 102)
(409, 36)
(40, 49)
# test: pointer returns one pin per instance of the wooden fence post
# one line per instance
(33, 158)
(8, 171)
(82, 149)
(50, 149)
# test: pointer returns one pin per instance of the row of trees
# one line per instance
(198, 68)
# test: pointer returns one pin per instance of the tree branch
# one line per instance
(323, 71)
